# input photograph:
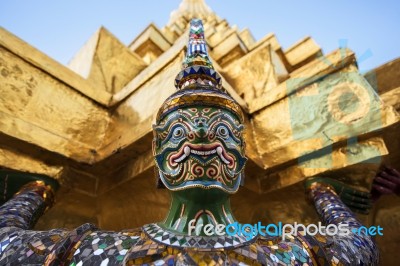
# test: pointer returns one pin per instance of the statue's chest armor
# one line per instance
(152, 245)
(161, 247)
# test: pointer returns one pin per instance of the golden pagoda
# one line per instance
(89, 124)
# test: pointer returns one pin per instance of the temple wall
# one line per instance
(39, 109)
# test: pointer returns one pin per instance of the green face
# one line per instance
(200, 147)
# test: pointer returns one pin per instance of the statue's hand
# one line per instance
(11, 182)
(386, 182)
(357, 200)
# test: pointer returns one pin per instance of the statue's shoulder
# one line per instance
(94, 247)
(128, 247)
(22, 247)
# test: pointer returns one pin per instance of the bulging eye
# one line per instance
(223, 132)
(178, 133)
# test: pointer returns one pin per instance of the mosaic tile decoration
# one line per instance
(352, 249)
(153, 245)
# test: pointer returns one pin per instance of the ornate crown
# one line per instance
(198, 83)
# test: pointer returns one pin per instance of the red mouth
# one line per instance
(202, 150)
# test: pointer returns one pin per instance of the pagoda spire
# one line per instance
(192, 9)
(198, 82)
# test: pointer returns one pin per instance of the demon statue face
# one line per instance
(198, 140)
(200, 146)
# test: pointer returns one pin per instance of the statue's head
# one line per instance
(198, 136)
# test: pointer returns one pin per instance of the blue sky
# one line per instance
(60, 28)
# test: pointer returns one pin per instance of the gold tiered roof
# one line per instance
(189, 9)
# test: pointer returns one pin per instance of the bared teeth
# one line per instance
(180, 159)
(221, 155)
(201, 152)
(224, 160)
(187, 151)
(219, 151)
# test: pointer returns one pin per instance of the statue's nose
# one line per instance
(201, 127)
(200, 122)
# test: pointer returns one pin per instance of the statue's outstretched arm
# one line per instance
(354, 248)
(21, 246)
(25, 208)
(18, 244)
